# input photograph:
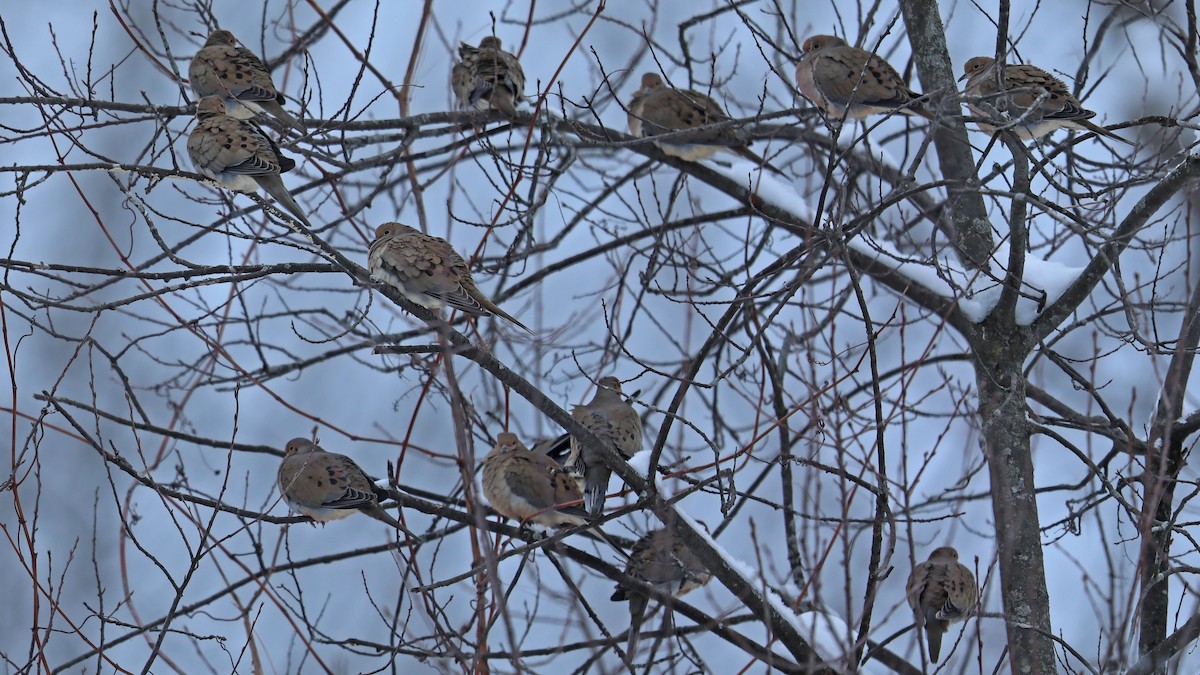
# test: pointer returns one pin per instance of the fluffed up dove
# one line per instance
(529, 487)
(238, 155)
(611, 418)
(224, 68)
(941, 591)
(845, 81)
(1036, 101)
(328, 486)
(488, 77)
(661, 560)
(657, 109)
(428, 271)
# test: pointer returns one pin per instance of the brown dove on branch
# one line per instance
(223, 68)
(660, 560)
(848, 82)
(941, 591)
(488, 77)
(238, 155)
(529, 487)
(657, 109)
(428, 271)
(1036, 101)
(327, 486)
(611, 418)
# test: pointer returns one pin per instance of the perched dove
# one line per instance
(327, 486)
(657, 109)
(529, 487)
(488, 77)
(222, 68)
(238, 155)
(662, 561)
(941, 591)
(845, 81)
(427, 271)
(611, 418)
(1037, 101)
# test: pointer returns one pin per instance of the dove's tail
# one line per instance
(274, 187)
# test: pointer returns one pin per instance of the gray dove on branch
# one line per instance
(615, 421)
(940, 591)
(1036, 101)
(530, 487)
(328, 486)
(238, 155)
(845, 81)
(487, 77)
(661, 560)
(224, 68)
(657, 109)
(428, 271)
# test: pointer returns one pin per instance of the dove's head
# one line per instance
(609, 382)
(651, 81)
(490, 42)
(976, 65)
(816, 42)
(944, 553)
(210, 106)
(299, 446)
(507, 441)
(389, 229)
(220, 37)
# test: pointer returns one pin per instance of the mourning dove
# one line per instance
(428, 271)
(238, 155)
(941, 591)
(223, 68)
(529, 487)
(657, 109)
(327, 486)
(611, 418)
(488, 77)
(660, 560)
(848, 82)
(1035, 100)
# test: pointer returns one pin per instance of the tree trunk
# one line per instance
(1006, 431)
